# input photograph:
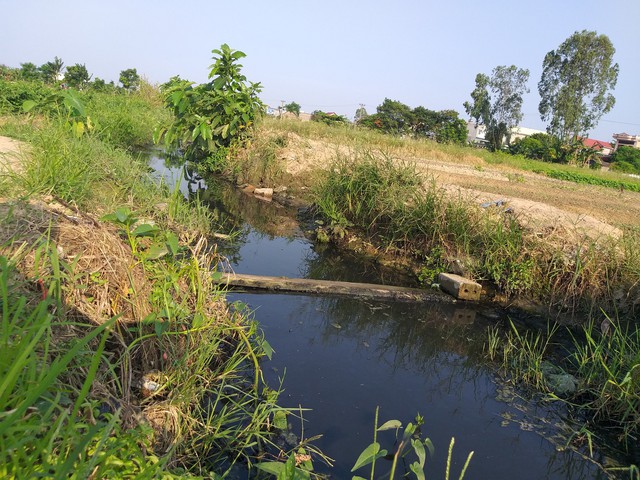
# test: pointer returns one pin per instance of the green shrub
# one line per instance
(13, 94)
(626, 159)
(125, 120)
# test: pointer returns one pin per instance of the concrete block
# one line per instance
(460, 287)
(263, 192)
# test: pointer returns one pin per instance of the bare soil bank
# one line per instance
(538, 201)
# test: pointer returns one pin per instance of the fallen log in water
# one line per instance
(304, 285)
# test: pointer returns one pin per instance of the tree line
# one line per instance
(76, 76)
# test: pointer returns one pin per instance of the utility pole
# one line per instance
(280, 108)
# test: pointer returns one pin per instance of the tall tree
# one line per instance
(575, 85)
(77, 76)
(52, 71)
(396, 117)
(129, 79)
(361, 113)
(293, 107)
(497, 102)
(29, 71)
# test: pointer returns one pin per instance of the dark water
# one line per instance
(341, 358)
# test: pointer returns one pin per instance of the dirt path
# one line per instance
(10, 152)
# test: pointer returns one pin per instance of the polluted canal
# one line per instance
(341, 358)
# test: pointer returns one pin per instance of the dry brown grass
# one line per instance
(107, 279)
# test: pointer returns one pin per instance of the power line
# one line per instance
(622, 123)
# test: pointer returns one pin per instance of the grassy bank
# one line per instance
(120, 358)
(388, 202)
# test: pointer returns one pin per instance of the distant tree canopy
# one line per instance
(52, 71)
(539, 146)
(77, 76)
(361, 113)
(101, 85)
(497, 102)
(328, 118)
(626, 159)
(129, 79)
(575, 85)
(395, 117)
(293, 107)
(549, 148)
(29, 71)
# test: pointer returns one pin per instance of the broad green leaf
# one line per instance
(177, 96)
(274, 468)
(73, 102)
(156, 251)
(429, 444)
(409, 431)
(216, 276)
(195, 132)
(266, 348)
(122, 214)
(280, 419)
(289, 471)
(28, 105)
(285, 471)
(198, 320)
(145, 230)
(417, 470)
(391, 424)
(160, 326)
(356, 477)
(158, 132)
(418, 447)
(109, 217)
(369, 455)
(173, 243)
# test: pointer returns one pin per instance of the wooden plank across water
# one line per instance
(329, 287)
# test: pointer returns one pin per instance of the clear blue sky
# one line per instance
(331, 55)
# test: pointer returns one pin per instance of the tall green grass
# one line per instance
(593, 368)
(607, 358)
(49, 424)
(93, 175)
(126, 120)
(387, 201)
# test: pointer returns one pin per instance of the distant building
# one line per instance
(626, 140)
(603, 148)
(518, 133)
(476, 134)
(282, 113)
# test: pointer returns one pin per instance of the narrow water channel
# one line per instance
(341, 358)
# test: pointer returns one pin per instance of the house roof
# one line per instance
(596, 144)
